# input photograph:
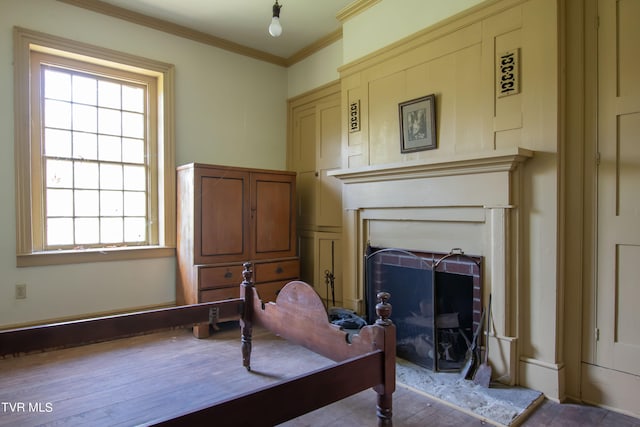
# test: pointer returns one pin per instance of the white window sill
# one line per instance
(93, 255)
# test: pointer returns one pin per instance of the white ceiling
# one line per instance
(246, 21)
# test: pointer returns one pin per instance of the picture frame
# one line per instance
(418, 124)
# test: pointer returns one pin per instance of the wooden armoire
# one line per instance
(225, 217)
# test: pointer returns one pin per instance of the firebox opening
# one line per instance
(435, 299)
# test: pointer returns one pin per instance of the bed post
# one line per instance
(384, 408)
(246, 320)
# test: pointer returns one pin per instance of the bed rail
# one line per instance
(275, 404)
(67, 334)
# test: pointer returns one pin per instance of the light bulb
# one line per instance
(275, 29)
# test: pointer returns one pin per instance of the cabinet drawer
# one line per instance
(279, 270)
(220, 277)
(269, 291)
(212, 295)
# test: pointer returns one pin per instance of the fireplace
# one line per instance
(449, 200)
(436, 299)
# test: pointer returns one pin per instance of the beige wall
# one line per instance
(229, 109)
(315, 71)
(390, 20)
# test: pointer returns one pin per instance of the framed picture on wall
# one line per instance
(418, 124)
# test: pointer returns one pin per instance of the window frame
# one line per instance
(29, 250)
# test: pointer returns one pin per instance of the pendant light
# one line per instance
(275, 29)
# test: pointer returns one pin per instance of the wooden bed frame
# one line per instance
(365, 360)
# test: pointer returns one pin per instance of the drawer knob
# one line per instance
(228, 275)
(279, 270)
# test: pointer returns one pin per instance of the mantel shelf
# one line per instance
(493, 161)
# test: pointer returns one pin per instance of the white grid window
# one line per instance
(94, 150)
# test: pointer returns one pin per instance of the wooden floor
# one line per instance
(411, 409)
(139, 379)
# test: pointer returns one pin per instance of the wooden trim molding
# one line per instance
(316, 94)
(22, 139)
(314, 47)
(175, 29)
(37, 259)
(354, 9)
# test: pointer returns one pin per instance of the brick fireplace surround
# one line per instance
(450, 201)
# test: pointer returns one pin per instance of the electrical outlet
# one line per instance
(21, 290)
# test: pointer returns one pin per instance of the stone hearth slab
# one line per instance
(499, 404)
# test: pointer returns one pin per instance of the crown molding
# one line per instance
(175, 29)
(354, 9)
(314, 47)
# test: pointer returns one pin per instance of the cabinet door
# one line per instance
(272, 215)
(328, 203)
(303, 161)
(321, 257)
(316, 145)
(328, 260)
(221, 216)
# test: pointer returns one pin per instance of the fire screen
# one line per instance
(435, 299)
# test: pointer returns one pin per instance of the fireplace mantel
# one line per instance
(493, 161)
(468, 201)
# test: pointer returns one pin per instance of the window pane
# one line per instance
(87, 231)
(109, 94)
(132, 150)
(87, 203)
(57, 114)
(109, 148)
(59, 202)
(133, 125)
(111, 177)
(135, 203)
(57, 85)
(111, 230)
(133, 99)
(94, 156)
(57, 143)
(84, 90)
(86, 175)
(85, 146)
(135, 230)
(134, 178)
(109, 121)
(59, 231)
(111, 203)
(59, 173)
(84, 118)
